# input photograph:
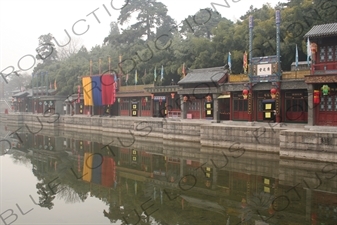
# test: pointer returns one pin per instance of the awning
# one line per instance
(224, 96)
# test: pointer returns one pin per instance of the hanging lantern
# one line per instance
(152, 96)
(208, 98)
(325, 89)
(245, 94)
(146, 99)
(313, 47)
(316, 97)
(172, 95)
(273, 92)
(118, 100)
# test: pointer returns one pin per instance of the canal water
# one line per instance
(46, 179)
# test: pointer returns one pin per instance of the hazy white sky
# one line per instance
(23, 21)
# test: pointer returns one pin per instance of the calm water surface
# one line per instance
(58, 179)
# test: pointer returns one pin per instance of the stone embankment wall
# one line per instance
(309, 145)
(212, 137)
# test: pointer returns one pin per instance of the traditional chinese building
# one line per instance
(166, 101)
(38, 100)
(199, 92)
(323, 75)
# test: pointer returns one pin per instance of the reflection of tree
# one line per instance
(68, 194)
(259, 204)
(46, 196)
(20, 158)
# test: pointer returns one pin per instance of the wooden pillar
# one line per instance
(216, 113)
(183, 107)
(311, 108)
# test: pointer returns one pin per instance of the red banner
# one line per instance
(108, 89)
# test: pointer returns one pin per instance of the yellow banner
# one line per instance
(87, 91)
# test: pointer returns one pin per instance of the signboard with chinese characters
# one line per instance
(156, 98)
(264, 69)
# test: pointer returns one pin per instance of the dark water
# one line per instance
(56, 179)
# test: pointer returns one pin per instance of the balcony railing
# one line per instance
(237, 78)
(324, 68)
(295, 75)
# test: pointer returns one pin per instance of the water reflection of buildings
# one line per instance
(203, 186)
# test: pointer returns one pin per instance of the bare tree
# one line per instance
(70, 49)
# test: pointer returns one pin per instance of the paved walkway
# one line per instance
(288, 126)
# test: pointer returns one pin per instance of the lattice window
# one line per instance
(236, 105)
(329, 103)
(322, 54)
(330, 53)
(322, 108)
(260, 105)
(288, 104)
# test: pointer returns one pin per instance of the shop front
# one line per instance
(295, 106)
(325, 104)
(240, 106)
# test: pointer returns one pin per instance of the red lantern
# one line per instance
(273, 92)
(316, 97)
(208, 98)
(245, 93)
(185, 98)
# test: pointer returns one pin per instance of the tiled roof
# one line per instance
(322, 30)
(20, 94)
(207, 75)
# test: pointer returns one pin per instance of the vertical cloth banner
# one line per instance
(96, 90)
(162, 73)
(245, 62)
(87, 90)
(308, 51)
(296, 57)
(108, 89)
(229, 61)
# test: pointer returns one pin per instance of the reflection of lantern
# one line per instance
(185, 98)
(172, 95)
(245, 93)
(273, 93)
(316, 96)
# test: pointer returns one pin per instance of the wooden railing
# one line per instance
(174, 114)
(289, 75)
(237, 78)
(295, 75)
(325, 68)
